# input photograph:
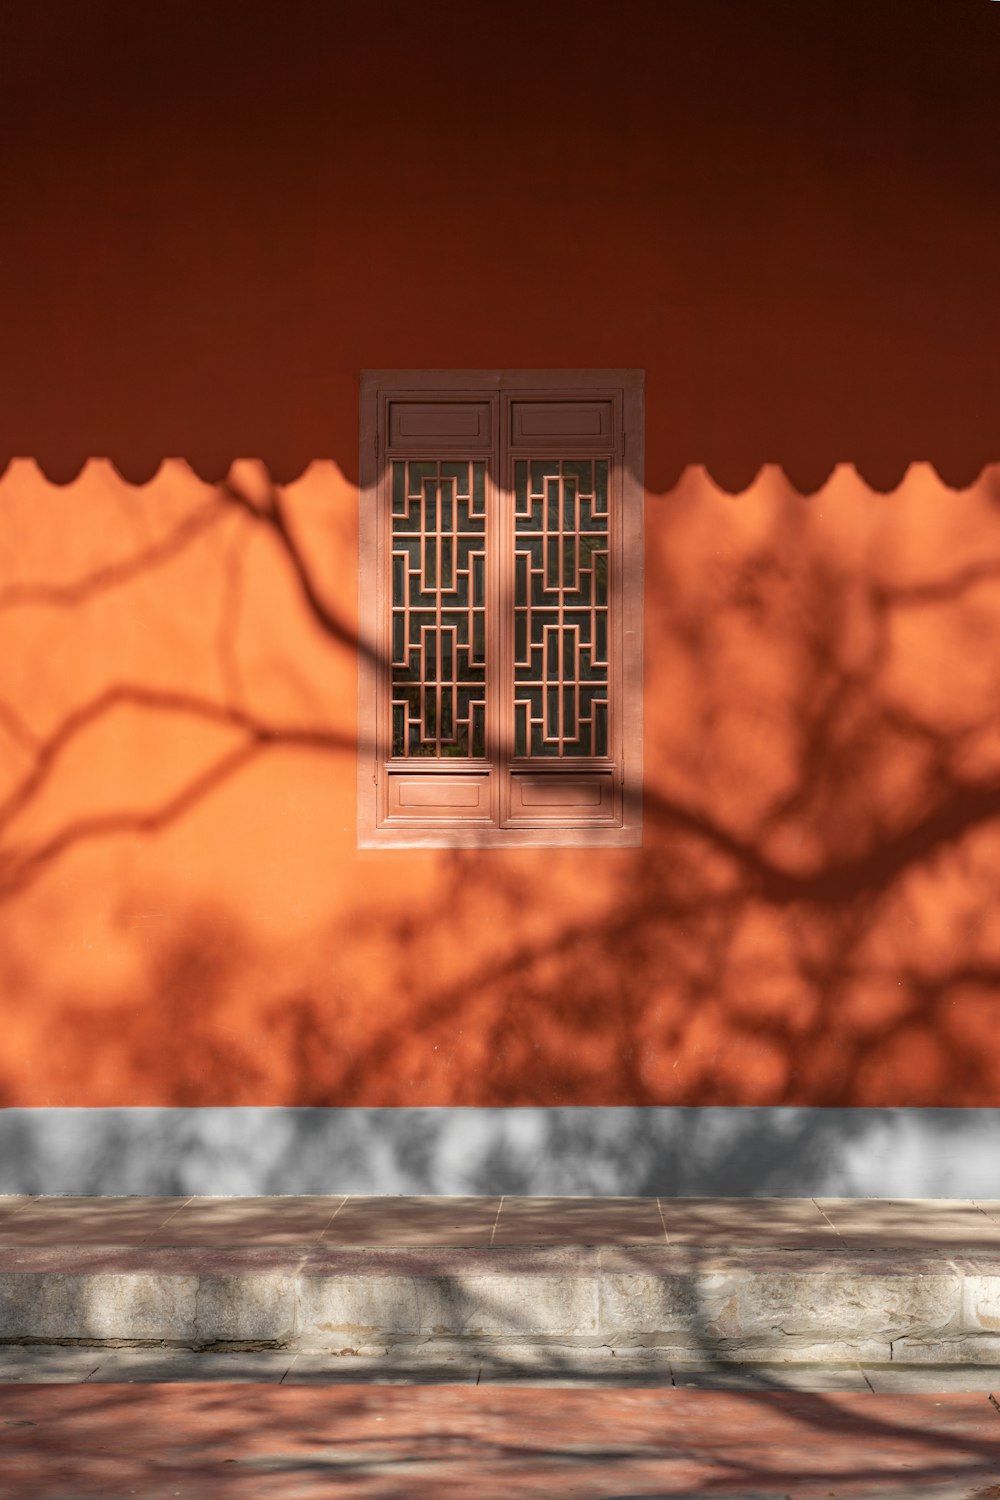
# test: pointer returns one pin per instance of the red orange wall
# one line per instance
(215, 217)
(813, 918)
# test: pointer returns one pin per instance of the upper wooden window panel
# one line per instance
(501, 608)
(439, 426)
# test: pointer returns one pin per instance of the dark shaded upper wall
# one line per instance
(215, 214)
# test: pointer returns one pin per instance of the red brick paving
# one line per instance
(217, 1442)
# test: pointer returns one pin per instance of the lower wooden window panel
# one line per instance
(423, 799)
(533, 799)
(578, 800)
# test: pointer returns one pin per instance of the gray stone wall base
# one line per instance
(704, 1152)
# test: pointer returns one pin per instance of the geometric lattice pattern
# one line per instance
(561, 607)
(438, 668)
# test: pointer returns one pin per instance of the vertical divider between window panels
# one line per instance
(504, 573)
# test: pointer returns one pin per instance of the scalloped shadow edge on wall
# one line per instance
(881, 478)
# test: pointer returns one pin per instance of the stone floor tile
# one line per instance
(326, 1369)
(413, 1221)
(578, 1378)
(454, 1260)
(761, 1377)
(13, 1203)
(581, 1366)
(166, 1260)
(740, 1223)
(127, 1366)
(932, 1379)
(911, 1223)
(88, 1221)
(36, 1362)
(579, 1221)
(251, 1221)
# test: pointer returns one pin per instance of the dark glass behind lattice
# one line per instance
(561, 607)
(438, 617)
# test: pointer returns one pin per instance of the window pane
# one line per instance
(438, 626)
(561, 538)
(398, 489)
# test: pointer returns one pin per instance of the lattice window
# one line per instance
(561, 668)
(501, 533)
(438, 653)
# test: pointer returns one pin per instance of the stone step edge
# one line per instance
(554, 1357)
(452, 1260)
(868, 1315)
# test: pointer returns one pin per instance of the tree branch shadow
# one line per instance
(730, 939)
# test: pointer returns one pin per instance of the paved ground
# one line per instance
(223, 1442)
(716, 1223)
(79, 1423)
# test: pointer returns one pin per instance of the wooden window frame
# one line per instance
(621, 825)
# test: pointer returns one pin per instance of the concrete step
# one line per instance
(635, 1287)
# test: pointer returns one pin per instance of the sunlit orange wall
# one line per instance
(214, 217)
(186, 919)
